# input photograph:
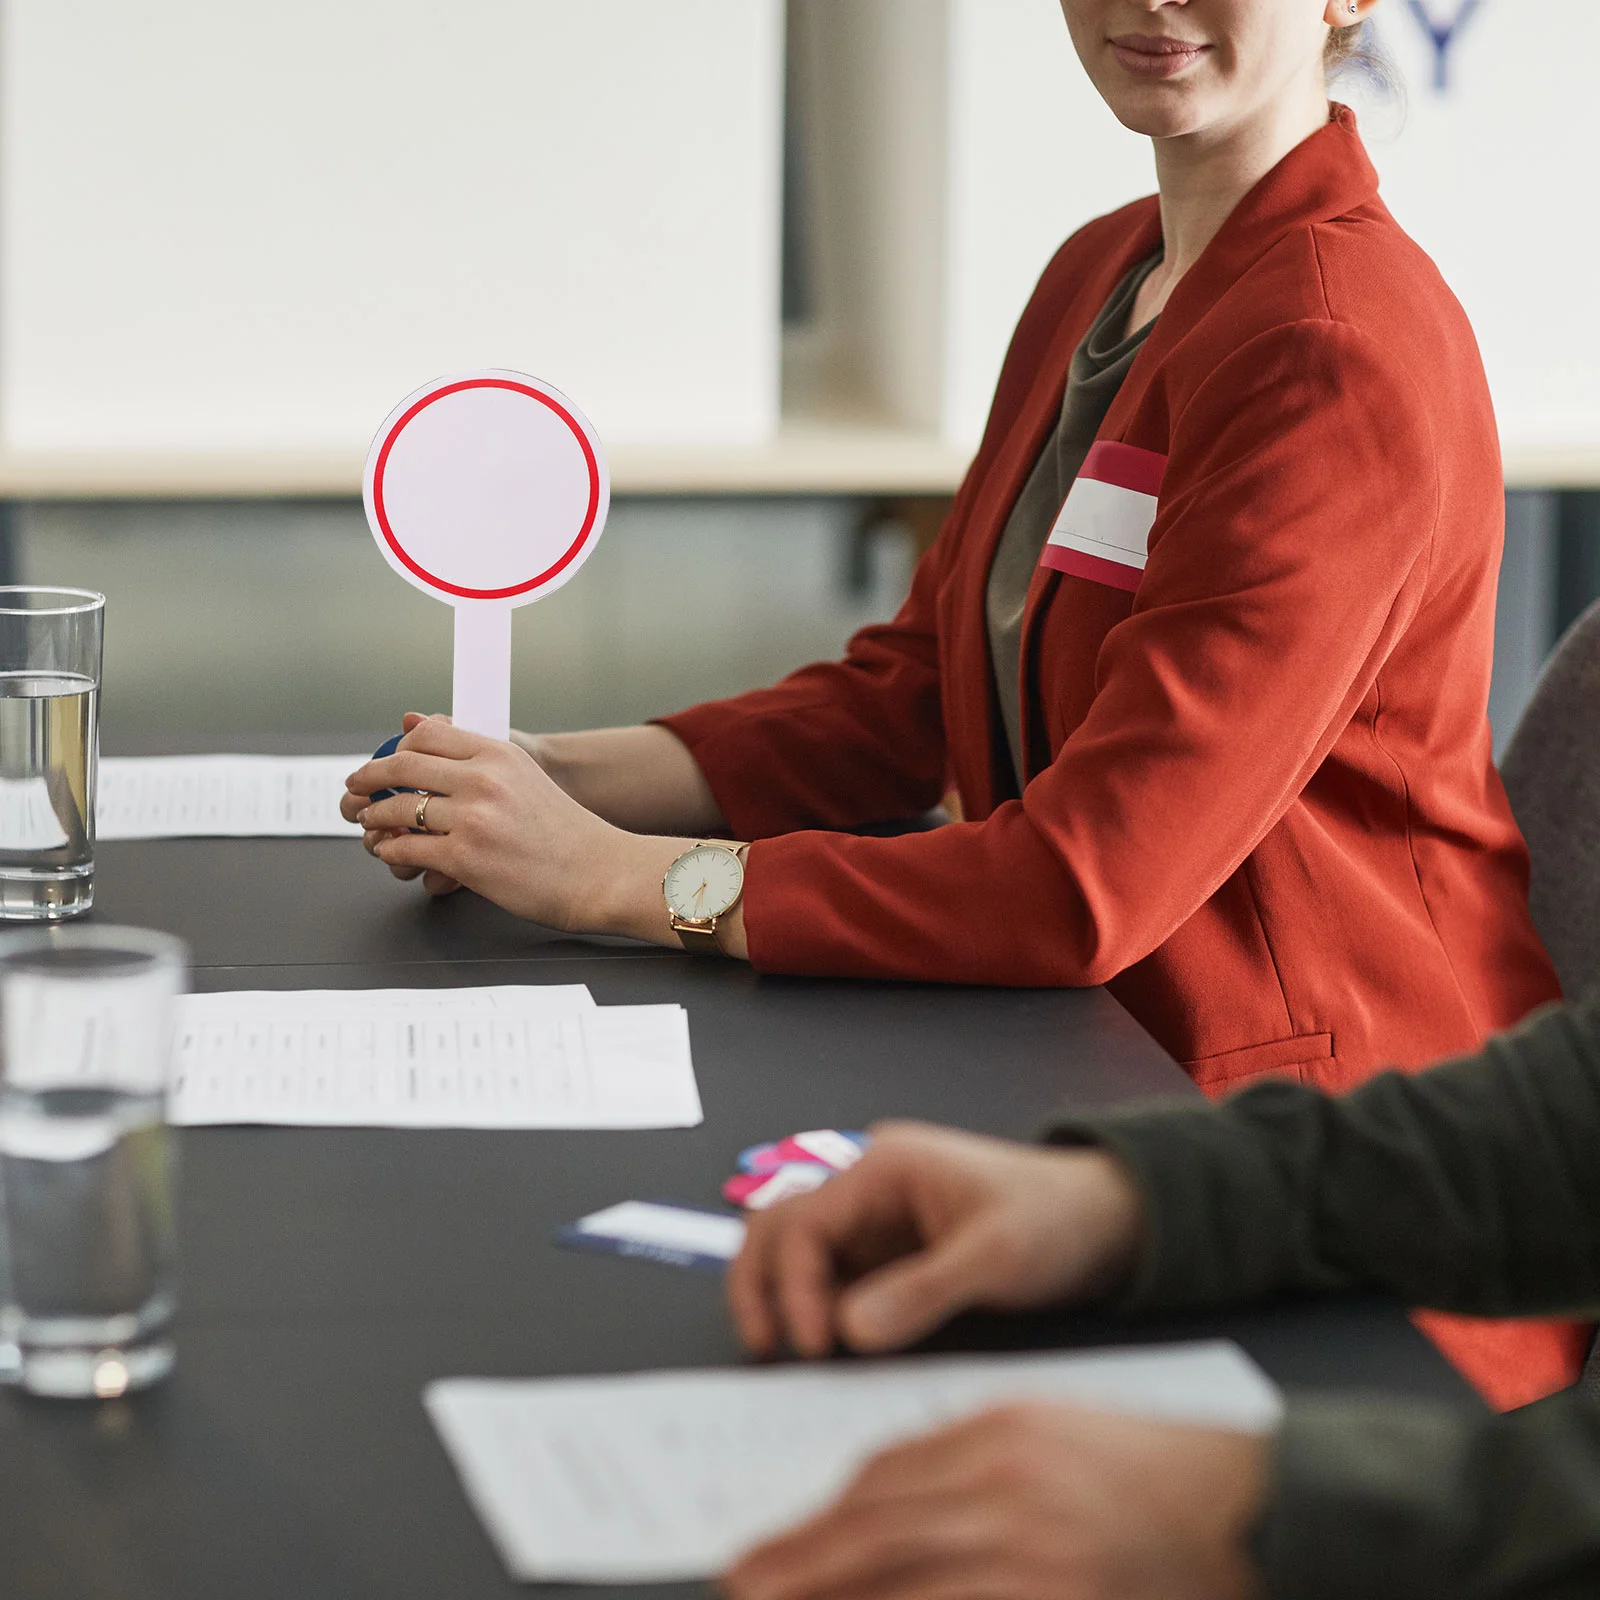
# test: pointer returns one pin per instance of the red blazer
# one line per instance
(1271, 823)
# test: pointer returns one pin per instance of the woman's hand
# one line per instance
(1031, 1502)
(499, 824)
(352, 804)
(931, 1222)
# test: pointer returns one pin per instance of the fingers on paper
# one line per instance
(912, 1546)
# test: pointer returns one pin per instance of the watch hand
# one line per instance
(699, 895)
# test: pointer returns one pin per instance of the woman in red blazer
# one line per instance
(1263, 810)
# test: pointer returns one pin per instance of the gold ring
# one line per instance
(422, 813)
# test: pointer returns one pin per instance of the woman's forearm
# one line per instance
(642, 779)
(627, 899)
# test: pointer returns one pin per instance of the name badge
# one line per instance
(1103, 530)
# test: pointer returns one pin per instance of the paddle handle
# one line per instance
(481, 701)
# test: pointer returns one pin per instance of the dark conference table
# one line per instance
(329, 1274)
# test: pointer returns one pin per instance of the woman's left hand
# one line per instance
(495, 823)
(1030, 1502)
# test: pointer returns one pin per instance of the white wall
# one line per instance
(956, 143)
(1491, 176)
(1494, 178)
(872, 77)
(1034, 154)
(241, 227)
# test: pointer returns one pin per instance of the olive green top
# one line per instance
(1472, 1188)
(1098, 368)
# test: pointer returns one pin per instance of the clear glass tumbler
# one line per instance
(87, 1165)
(50, 643)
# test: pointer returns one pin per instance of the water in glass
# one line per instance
(47, 773)
(89, 1241)
(88, 1236)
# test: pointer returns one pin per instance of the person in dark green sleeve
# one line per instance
(1474, 1187)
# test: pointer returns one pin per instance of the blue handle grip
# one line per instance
(388, 748)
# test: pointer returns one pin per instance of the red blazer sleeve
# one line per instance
(1291, 548)
(835, 745)
(862, 740)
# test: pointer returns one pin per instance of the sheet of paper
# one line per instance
(509, 1057)
(192, 797)
(28, 819)
(667, 1476)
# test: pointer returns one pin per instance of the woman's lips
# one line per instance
(1155, 56)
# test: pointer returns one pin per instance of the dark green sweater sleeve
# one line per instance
(1389, 1500)
(1472, 1187)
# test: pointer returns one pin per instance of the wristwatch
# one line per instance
(702, 885)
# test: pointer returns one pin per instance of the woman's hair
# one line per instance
(1356, 49)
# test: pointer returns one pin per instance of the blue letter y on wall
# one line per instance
(1441, 35)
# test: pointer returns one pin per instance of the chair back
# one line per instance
(1551, 770)
(1552, 776)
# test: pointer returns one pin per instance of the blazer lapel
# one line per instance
(1325, 176)
(1004, 476)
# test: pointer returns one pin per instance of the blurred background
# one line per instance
(774, 251)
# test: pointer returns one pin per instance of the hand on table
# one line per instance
(931, 1222)
(1030, 1502)
(497, 823)
(351, 805)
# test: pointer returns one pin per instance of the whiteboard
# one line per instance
(240, 228)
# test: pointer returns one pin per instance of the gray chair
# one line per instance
(1552, 775)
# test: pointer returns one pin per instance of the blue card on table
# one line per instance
(676, 1236)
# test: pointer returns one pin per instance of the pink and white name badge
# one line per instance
(1103, 530)
(487, 490)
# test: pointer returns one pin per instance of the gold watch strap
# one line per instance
(698, 941)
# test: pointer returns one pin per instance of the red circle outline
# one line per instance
(427, 577)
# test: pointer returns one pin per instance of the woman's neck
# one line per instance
(1204, 176)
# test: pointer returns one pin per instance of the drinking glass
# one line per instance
(50, 641)
(87, 1165)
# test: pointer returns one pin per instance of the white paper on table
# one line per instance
(28, 819)
(665, 1476)
(189, 797)
(506, 1057)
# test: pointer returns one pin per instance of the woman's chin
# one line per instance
(1157, 116)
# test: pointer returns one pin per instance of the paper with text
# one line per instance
(28, 817)
(511, 1057)
(200, 797)
(657, 1477)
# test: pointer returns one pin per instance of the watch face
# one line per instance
(703, 882)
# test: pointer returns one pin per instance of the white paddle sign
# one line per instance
(486, 490)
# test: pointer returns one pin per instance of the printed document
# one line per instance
(502, 1057)
(667, 1476)
(28, 818)
(197, 797)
